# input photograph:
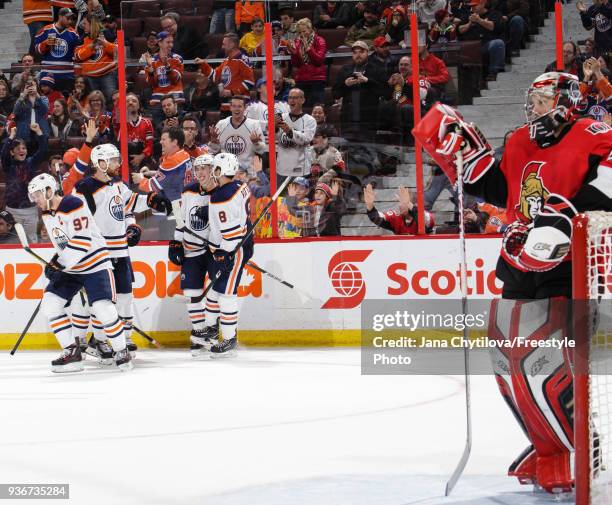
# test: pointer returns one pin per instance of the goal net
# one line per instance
(592, 285)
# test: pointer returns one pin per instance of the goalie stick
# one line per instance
(452, 481)
(23, 239)
(181, 224)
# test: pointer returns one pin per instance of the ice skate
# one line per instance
(224, 349)
(131, 346)
(203, 340)
(123, 359)
(70, 360)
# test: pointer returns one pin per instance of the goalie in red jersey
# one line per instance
(553, 167)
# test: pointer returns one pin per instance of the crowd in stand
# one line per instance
(196, 85)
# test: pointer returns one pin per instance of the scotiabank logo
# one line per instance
(346, 279)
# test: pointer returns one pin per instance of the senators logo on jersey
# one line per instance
(59, 237)
(533, 192)
(235, 144)
(115, 207)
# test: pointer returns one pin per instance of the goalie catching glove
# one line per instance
(443, 133)
(545, 243)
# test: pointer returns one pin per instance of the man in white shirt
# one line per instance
(238, 135)
(294, 132)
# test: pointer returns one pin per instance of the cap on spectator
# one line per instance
(371, 7)
(277, 24)
(162, 35)
(48, 80)
(242, 169)
(109, 18)
(70, 156)
(381, 41)
(440, 15)
(65, 11)
(301, 181)
(152, 33)
(261, 81)
(325, 188)
(360, 44)
(7, 217)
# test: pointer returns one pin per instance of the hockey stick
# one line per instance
(252, 230)
(182, 227)
(23, 238)
(452, 481)
(27, 327)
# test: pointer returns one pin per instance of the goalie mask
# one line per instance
(551, 100)
(106, 153)
(42, 186)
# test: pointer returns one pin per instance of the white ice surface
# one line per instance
(272, 427)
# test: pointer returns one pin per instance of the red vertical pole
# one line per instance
(271, 131)
(416, 100)
(559, 34)
(123, 135)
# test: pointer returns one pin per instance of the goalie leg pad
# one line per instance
(540, 387)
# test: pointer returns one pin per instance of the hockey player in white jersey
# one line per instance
(238, 135)
(81, 261)
(229, 219)
(193, 255)
(112, 205)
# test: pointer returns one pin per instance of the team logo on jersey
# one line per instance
(115, 207)
(235, 144)
(59, 238)
(196, 223)
(60, 48)
(597, 128)
(533, 192)
(602, 22)
(162, 77)
(346, 279)
(98, 52)
(226, 75)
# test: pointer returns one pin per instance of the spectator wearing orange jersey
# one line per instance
(98, 58)
(164, 72)
(246, 12)
(235, 75)
(496, 219)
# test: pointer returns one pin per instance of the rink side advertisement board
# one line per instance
(332, 278)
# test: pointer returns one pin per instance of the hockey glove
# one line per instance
(133, 233)
(159, 203)
(202, 213)
(176, 252)
(549, 240)
(53, 270)
(224, 259)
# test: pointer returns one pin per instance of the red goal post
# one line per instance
(592, 293)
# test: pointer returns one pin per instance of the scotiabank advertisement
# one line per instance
(331, 278)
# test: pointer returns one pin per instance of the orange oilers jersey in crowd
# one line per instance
(497, 221)
(166, 79)
(77, 171)
(246, 12)
(80, 246)
(62, 3)
(235, 74)
(37, 11)
(96, 59)
(170, 178)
